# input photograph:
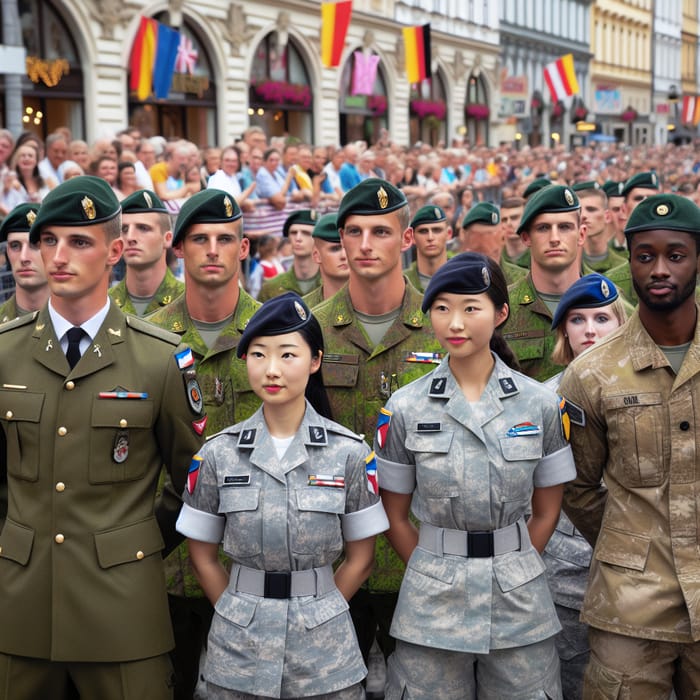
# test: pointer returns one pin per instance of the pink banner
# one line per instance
(364, 74)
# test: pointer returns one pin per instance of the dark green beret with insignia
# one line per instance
(283, 314)
(19, 220)
(588, 292)
(371, 196)
(536, 186)
(210, 206)
(648, 179)
(143, 202)
(466, 273)
(664, 212)
(552, 199)
(585, 185)
(81, 201)
(482, 213)
(326, 228)
(429, 214)
(305, 217)
(612, 188)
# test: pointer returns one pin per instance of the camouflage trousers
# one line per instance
(216, 692)
(520, 673)
(627, 668)
(572, 647)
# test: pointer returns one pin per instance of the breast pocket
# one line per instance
(20, 412)
(120, 440)
(635, 431)
(514, 475)
(243, 533)
(340, 377)
(318, 519)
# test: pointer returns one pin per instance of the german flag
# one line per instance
(417, 41)
(335, 18)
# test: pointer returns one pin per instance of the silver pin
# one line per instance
(97, 350)
(49, 345)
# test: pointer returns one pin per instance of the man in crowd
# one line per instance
(56, 152)
(514, 250)
(481, 231)
(148, 284)
(431, 232)
(332, 261)
(616, 225)
(349, 174)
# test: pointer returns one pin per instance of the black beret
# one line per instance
(209, 206)
(371, 196)
(588, 292)
(536, 186)
(143, 202)
(585, 185)
(482, 213)
(326, 228)
(306, 217)
(81, 201)
(648, 179)
(612, 188)
(429, 214)
(283, 314)
(552, 199)
(19, 220)
(669, 212)
(466, 273)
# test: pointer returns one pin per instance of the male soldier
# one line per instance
(633, 404)
(332, 261)
(551, 228)
(93, 404)
(303, 276)
(210, 317)
(149, 283)
(616, 225)
(535, 186)
(514, 250)
(431, 232)
(481, 231)
(377, 339)
(31, 286)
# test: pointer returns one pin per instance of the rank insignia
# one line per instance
(438, 386)
(121, 447)
(527, 299)
(383, 423)
(88, 207)
(199, 425)
(193, 473)
(508, 386)
(166, 300)
(371, 471)
(194, 396)
(184, 358)
(247, 438)
(576, 414)
(317, 435)
(565, 420)
(521, 429)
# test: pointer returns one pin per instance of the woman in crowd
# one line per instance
(472, 448)
(126, 179)
(287, 490)
(26, 183)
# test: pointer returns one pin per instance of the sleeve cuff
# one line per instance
(399, 478)
(364, 523)
(198, 525)
(555, 468)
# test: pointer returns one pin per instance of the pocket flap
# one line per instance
(514, 449)
(433, 566)
(340, 370)
(238, 498)
(129, 543)
(517, 568)
(236, 609)
(323, 609)
(429, 442)
(109, 413)
(16, 542)
(625, 549)
(321, 499)
(21, 405)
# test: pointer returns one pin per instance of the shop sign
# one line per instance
(182, 82)
(607, 100)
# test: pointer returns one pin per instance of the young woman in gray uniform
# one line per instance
(473, 448)
(287, 490)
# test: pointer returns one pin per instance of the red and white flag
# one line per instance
(690, 114)
(560, 77)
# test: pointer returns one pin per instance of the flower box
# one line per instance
(428, 108)
(377, 104)
(477, 111)
(629, 115)
(283, 93)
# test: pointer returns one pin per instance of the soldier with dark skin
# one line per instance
(149, 284)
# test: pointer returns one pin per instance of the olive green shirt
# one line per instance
(285, 282)
(169, 290)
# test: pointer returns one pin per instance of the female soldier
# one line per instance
(287, 490)
(473, 447)
(586, 313)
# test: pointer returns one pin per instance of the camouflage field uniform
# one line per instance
(612, 260)
(466, 471)
(314, 297)
(284, 282)
(640, 440)
(8, 311)
(411, 274)
(169, 290)
(273, 517)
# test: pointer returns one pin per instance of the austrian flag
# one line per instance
(560, 77)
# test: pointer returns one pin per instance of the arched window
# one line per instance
(428, 111)
(280, 97)
(476, 109)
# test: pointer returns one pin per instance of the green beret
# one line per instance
(282, 314)
(81, 201)
(612, 188)
(305, 217)
(371, 196)
(466, 273)
(19, 220)
(482, 213)
(552, 199)
(648, 179)
(669, 212)
(143, 202)
(585, 185)
(327, 228)
(429, 214)
(588, 292)
(536, 186)
(210, 206)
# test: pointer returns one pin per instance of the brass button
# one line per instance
(9, 415)
(59, 538)
(60, 487)
(140, 554)
(123, 423)
(62, 431)
(70, 385)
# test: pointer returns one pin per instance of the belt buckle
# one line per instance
(480, 544)
(278, 584)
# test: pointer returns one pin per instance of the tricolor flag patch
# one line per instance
(193, 473)
(383, 423)
(371, 470)
(565, 420)
(184, 358)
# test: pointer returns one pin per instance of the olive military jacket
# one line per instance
(314, 297)
(169, 290)
(284, 282)
(635, 431)
(81, 571)
(8, 311)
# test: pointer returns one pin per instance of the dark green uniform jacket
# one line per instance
(169, 290)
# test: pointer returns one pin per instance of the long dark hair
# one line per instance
(315, 390)
(498, 293)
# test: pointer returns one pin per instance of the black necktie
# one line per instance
(74, 335)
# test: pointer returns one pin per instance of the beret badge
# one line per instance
(604, 289)
(486, 276)
(300, 310)
(383, 198)
(437, 213)
(88, 207)
(149, 201)
(569, 197)
(31, 216)
(228, 207)
(662, 210)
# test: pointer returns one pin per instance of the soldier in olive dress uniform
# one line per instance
(92, 404)
(431, 234)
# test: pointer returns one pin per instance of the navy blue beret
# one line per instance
(588, 292)
(466, 273)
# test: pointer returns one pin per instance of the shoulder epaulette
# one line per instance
(333, 427)
(142, 326)
(24, 320)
